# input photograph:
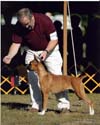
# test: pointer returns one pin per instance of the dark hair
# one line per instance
(24, 12)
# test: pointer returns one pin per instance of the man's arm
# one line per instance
(53, 41)
(51, 45)
(12, 52)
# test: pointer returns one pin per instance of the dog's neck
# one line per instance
(41, 70)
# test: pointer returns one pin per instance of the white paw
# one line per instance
(42, 112)
(92, 112)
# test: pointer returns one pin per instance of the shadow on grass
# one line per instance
(14, 105)
(63, 111)
(27, 107)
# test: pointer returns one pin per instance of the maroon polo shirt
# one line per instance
(38, 38)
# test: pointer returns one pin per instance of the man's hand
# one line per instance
(12, 52)
(7, 59)
(43, 55)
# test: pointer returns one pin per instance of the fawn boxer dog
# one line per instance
(57, 83)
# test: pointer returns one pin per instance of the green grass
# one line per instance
(13, 112)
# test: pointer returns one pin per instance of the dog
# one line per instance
(57, 83)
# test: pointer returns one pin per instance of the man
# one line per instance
(38, 33)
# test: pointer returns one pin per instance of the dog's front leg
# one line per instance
(45, 101)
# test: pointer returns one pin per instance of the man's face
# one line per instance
(27, 22)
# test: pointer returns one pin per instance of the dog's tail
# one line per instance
(86, 75)
(83, 76)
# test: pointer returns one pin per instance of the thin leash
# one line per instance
(72, 39)
(28, 50)
(34, 54)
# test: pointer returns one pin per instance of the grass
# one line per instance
(13, 112)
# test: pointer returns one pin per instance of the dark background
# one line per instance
(76, 7)
(92, 37)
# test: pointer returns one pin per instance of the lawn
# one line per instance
(13, 111)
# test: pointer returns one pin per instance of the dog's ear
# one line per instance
(36, 58)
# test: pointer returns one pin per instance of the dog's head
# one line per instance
(34, 63)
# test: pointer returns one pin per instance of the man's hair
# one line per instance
(24, 12)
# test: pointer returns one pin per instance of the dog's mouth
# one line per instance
(29, 67)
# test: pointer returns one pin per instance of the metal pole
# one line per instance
(74, 56)
(65, 39)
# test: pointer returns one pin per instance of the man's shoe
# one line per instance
(63, 104)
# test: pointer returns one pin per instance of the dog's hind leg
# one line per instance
(90, 103)
(82, 95)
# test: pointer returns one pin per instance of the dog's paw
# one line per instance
(42, 112)
(91, 110)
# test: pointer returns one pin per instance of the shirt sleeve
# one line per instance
(53, 36)
(49, 27)
(16, 38)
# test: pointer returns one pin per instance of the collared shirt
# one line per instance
(38, 38)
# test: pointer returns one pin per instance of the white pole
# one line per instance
(72, 42)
